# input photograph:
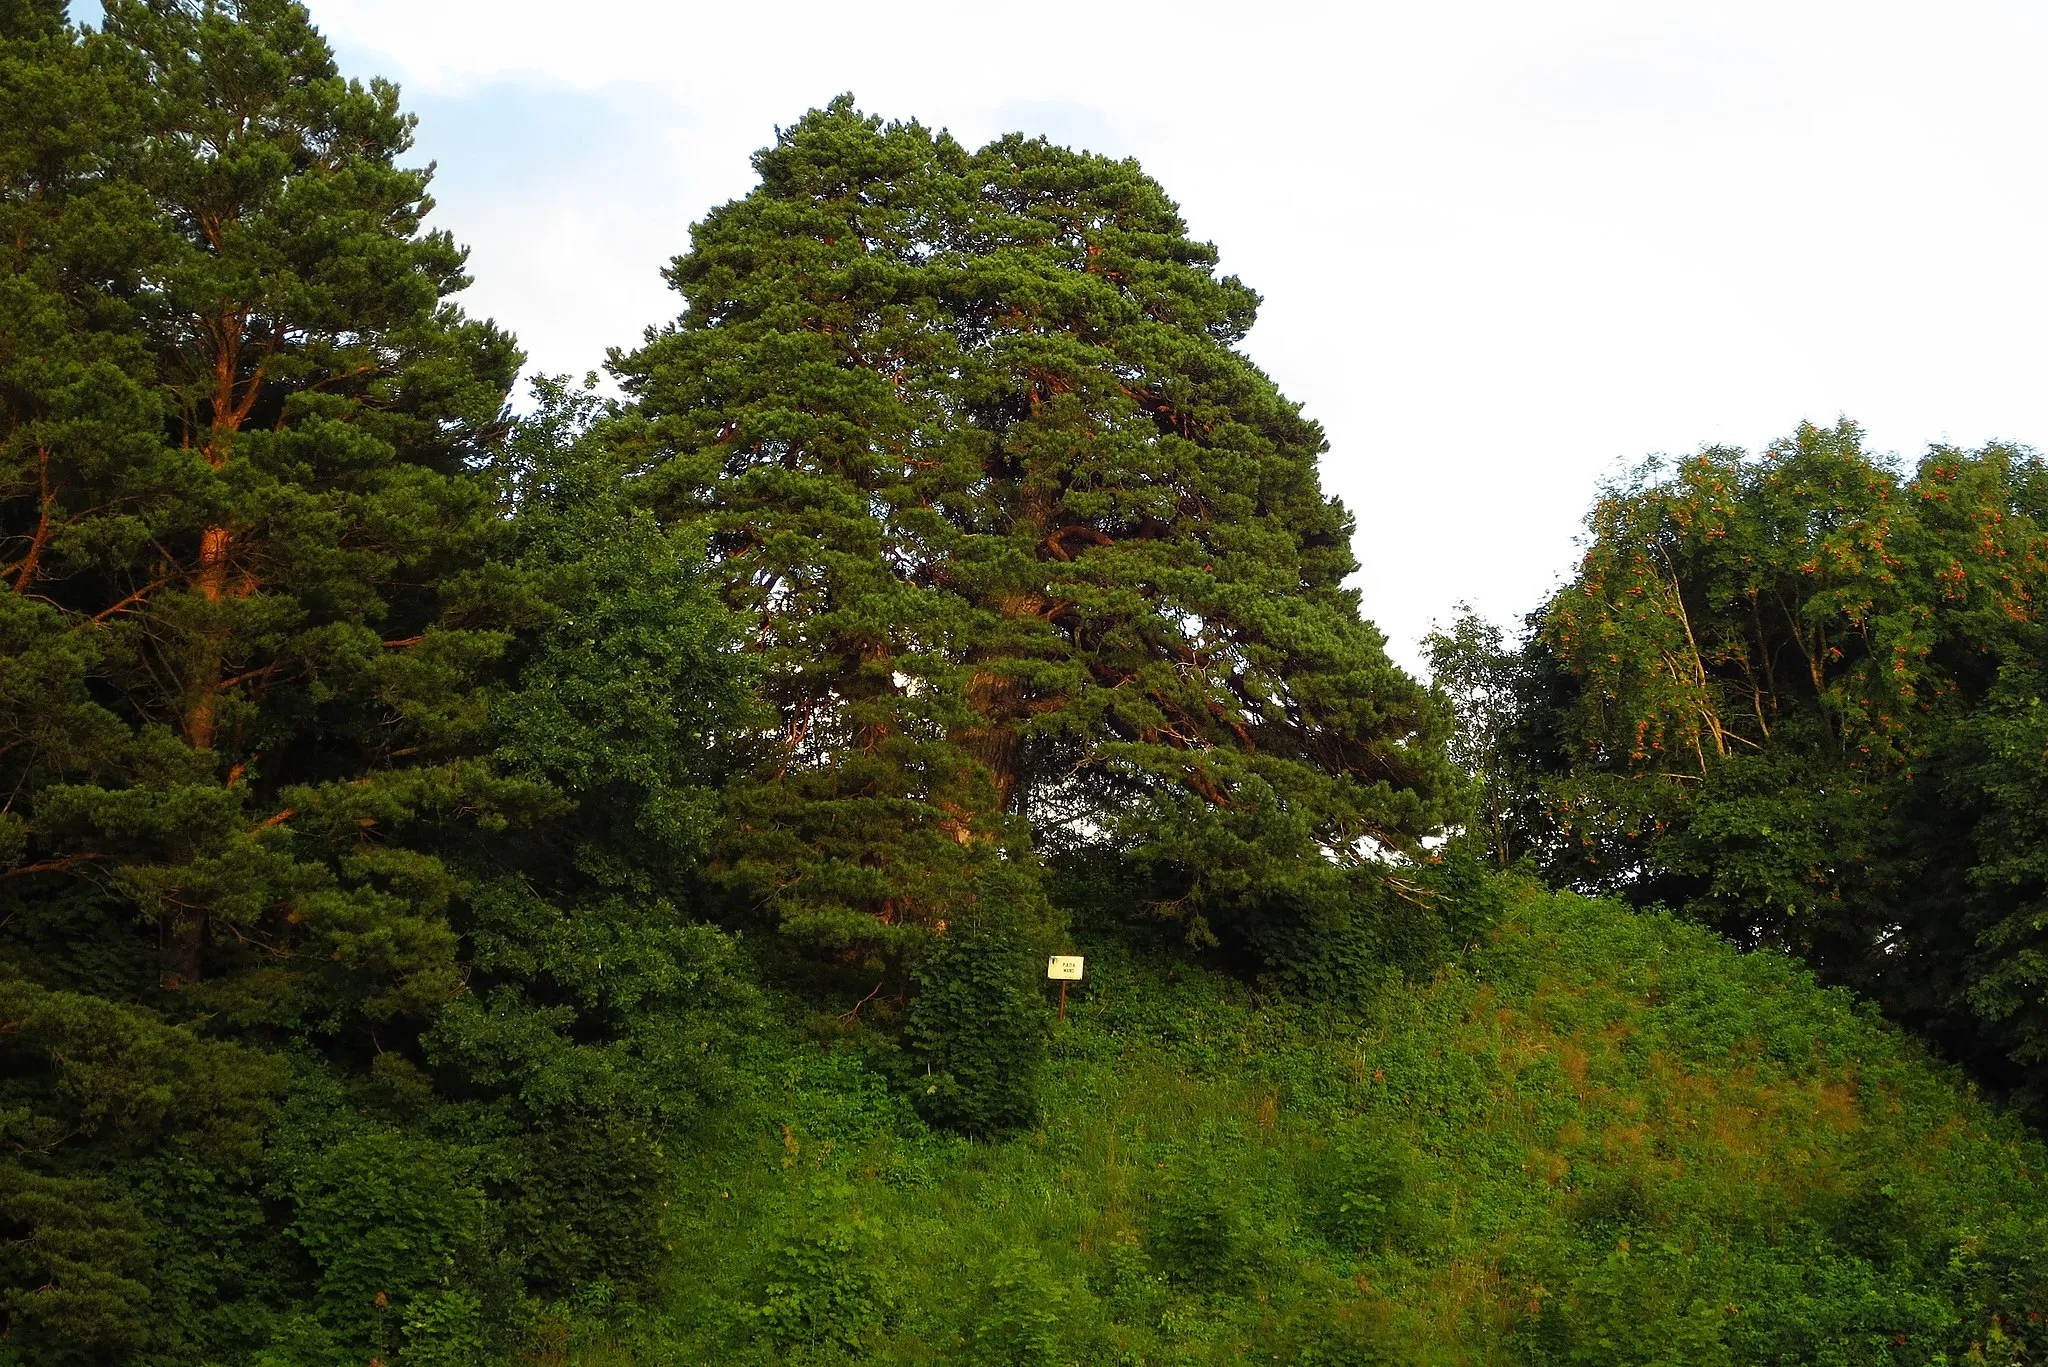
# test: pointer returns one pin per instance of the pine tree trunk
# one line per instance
(233, 399)
(998, 702)
(191, 933)
(994, 743)
(211, 580)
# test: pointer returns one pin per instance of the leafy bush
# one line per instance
(977, 1024)
(129, 1214)
(1635, 1306)
(444, 1329)
(1357, 1189)
(1194, 1235)
(385, 1218)
(1337, 934)
(1016, 1321)
(585, 1205)
(821, 1294)
(1342, 1336)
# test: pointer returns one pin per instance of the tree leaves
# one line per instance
(1791, 694)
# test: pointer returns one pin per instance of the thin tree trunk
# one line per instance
(191, 934)
(1699, 672)
(33, 559)
(211, 579)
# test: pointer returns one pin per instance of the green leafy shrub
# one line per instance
(585, 1207)
(1194, 1235)
(820, 1293)
(1357, 1189)
(1637, 1306)
(1016, 1319)
(1882, 1225)
(443, 1329)
(1334, 935)
(1132, 1288)
(1341, 1335)
(129, 1215)
(385, 1218)
(977, 1024)
(1613, 1204)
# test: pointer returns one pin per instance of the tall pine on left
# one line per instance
(243, 626)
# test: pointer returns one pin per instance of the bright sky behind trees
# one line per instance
(1503, 247)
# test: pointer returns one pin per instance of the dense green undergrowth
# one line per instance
(1599, 1138)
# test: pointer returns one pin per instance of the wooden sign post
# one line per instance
(1064, 968)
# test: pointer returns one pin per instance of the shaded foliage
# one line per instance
(978, 1027)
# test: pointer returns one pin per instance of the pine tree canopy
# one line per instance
(235, 519)
(251, 587)
(1023, 534)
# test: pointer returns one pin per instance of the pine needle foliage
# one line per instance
(351, 760)
(1029, 548)
(240, 634)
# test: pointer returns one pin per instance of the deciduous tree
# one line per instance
(1796, 694)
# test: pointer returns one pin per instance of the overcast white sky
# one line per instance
(1504, 247)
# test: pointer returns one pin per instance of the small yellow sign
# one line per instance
(1066, 967)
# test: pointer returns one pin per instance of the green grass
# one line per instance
(1599, 1138)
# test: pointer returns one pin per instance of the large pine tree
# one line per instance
(1027, 541)
(240, 412)
(244, 610)
(355, 742)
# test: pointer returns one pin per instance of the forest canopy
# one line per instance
(493, 875)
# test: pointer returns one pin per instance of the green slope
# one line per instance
(1601, 1138)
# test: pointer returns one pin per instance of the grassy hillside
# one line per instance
(1597, 1139)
